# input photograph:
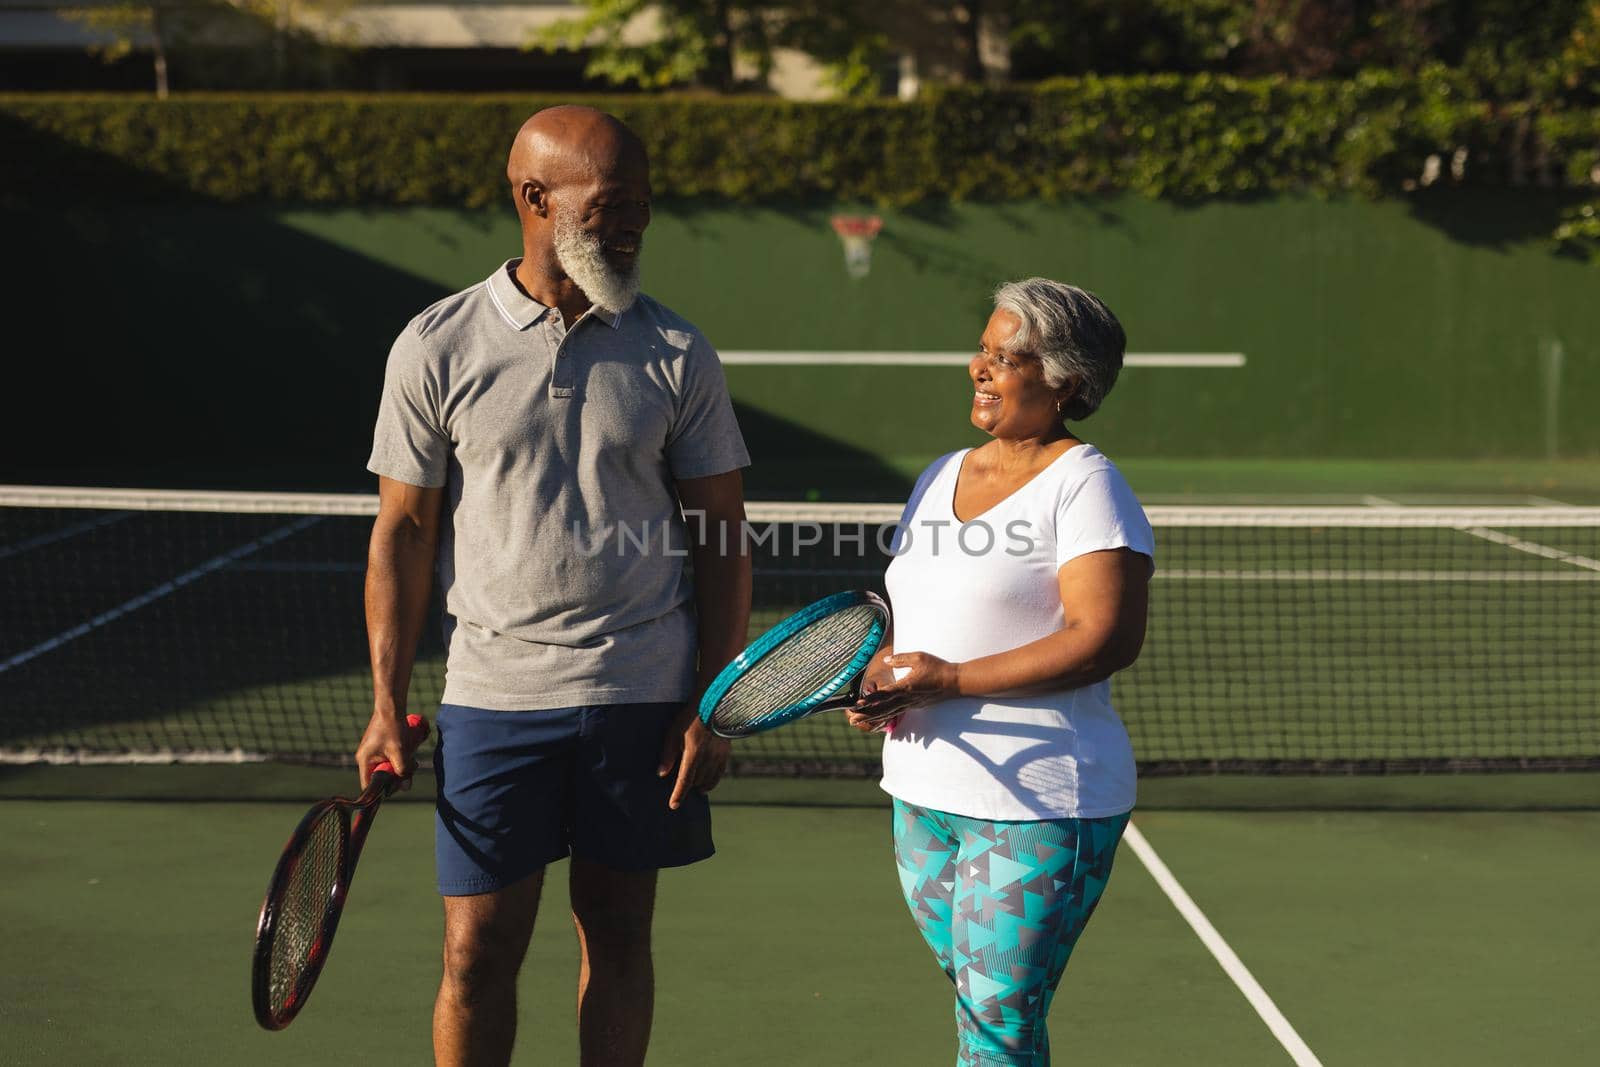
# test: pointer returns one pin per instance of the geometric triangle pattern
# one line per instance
(1002, 904)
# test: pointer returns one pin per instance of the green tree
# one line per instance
(1578, 65)
(1578, 68)
(301, 37)
(1067, 37)
(278, 43)
(657, 44)
(132, 23)
(1507, 49)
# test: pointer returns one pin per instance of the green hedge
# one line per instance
(1185, 137)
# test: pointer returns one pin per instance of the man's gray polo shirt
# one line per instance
(561, 549)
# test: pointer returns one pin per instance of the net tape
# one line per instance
(366, 504)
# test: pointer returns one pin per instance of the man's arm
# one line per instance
(400, 560)
(715, 510)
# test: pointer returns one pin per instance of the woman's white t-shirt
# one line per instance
(964, 590)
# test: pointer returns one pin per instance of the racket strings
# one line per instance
(798, 669)
(303, 907)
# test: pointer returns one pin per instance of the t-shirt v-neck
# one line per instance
(961, 463)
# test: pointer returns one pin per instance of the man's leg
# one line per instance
(612, 910)
(485, 938)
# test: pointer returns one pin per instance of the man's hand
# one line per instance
(697, 755)
(385, 739)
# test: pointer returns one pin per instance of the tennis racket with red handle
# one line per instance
(307, 893)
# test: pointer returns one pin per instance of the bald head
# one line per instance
(571, 144)
(581, 181)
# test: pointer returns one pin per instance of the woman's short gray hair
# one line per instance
(1074, 335)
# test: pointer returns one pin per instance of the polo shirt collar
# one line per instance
(520, 310)
(611, 318)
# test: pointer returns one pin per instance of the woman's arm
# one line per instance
(1104, 597)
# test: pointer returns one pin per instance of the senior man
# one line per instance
(537, 437)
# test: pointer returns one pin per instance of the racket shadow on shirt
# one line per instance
(1030, 776)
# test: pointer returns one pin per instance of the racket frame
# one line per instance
(840, 691)
(355, 822)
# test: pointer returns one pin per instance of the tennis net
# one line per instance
(151, 626)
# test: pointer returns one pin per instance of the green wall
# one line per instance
(225, 345)
(1369, 331)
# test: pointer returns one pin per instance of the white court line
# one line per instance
(285, 567)
(1233, 574)
(1533, 548)
(152, 595)
(1194, 574)
(73, 530)
(1234, 967)
(958, 359)
(71, 496)
(64, 757)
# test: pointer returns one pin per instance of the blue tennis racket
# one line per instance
(809, 663)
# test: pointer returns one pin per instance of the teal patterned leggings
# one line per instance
(1002, 904)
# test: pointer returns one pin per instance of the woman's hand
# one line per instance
(884, 698)
(926, 678)
(871, 715)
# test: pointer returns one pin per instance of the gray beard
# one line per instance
(580, 255)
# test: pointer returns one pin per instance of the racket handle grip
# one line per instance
(416, 733)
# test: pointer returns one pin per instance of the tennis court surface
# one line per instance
(1382, 937)
(1371, 736)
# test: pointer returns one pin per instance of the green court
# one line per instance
(1383, 937)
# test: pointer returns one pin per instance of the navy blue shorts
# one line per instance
(520, 789)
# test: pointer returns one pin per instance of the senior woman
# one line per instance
(1018, 588)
